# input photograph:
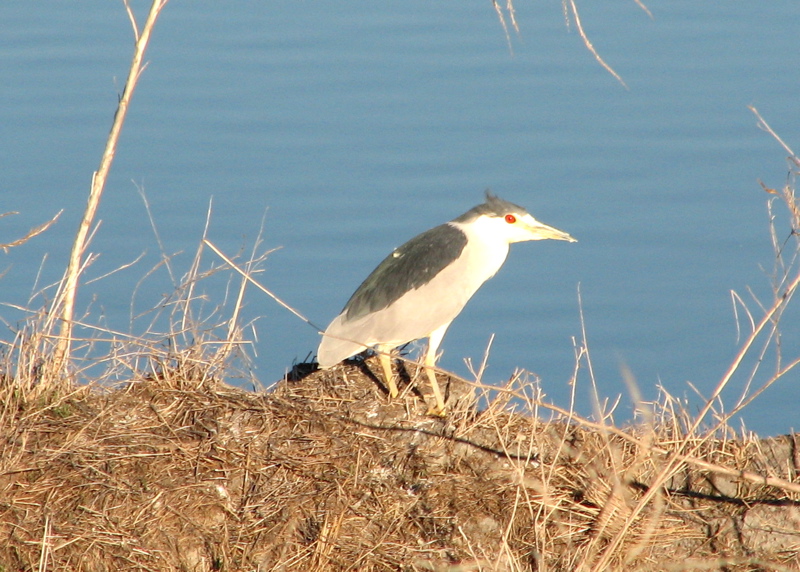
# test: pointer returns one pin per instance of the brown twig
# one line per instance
(573, 8)
(35, 231)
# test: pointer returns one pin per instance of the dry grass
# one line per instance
(174, 470)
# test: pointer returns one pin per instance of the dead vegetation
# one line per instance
(174, 470)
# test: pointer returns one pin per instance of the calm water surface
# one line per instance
(349, 131)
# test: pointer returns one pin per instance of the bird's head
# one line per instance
(507, 221)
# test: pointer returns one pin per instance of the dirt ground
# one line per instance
(325, 473)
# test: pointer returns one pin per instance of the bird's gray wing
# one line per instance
(408, 267)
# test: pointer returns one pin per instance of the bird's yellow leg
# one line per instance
(386, 364)
(439, 409)
(430, 362)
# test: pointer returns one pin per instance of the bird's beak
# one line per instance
(541, 231)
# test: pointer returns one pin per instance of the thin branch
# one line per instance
(647, 11)
(132, 18)
(260, 287)
(762, 124)
(574, 9)
(35, 231)
(767, 318)
(499, 10)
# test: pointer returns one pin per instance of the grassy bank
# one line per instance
(175, 470)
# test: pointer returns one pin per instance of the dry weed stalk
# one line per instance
(571, 14)
(64, 304)
(35, 231)
(693, 445)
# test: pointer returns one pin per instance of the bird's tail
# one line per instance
(334, 348)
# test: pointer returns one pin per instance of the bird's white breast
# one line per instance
(484, 254)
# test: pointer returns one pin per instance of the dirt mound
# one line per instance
(323, 473)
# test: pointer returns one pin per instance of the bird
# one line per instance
(420, 288)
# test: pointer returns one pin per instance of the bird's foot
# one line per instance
(436, 411)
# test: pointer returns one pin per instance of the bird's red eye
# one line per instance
(511, 219)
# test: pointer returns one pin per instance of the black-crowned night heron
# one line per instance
(419, 289)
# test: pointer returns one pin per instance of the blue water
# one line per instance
(350, 129)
